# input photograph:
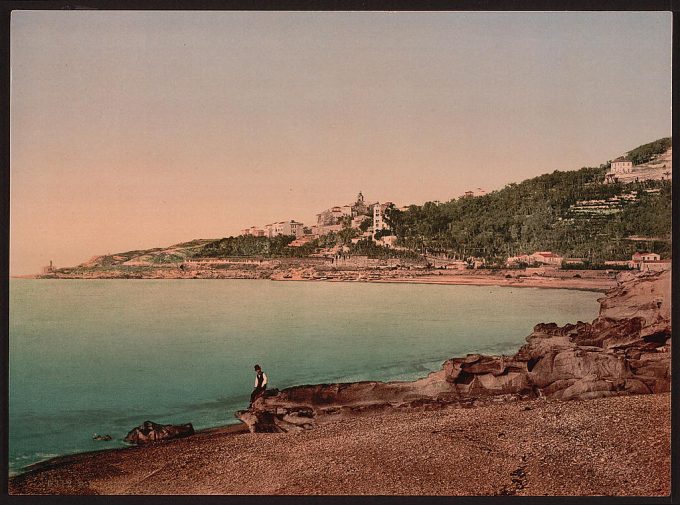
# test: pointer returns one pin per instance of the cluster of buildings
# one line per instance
(280, 228)
(644, 261)
(334, 219)
(640, 261)
(539, 258)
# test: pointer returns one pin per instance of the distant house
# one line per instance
(645, 256)
(255, 232)
(648, 261)
(621, 166)
(284, 228)
(547, 258)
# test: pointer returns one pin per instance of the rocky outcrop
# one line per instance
(151, 432)
(625, 350)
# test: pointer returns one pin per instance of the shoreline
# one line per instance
(237, 428)
(529, 448)
(600, 283)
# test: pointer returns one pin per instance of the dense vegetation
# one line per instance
(250, 246)
(646, 152)
(535, 215)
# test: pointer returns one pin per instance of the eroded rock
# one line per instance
(151, 432)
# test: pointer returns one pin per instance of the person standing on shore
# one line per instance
(260, 384)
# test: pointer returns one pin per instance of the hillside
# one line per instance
(572, 213)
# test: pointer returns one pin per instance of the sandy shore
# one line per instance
(594, 284)
(609, 446)
(585, 280)
(590, 280)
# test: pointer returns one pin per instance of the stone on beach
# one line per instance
(152, 432)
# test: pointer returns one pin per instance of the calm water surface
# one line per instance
(102, 356)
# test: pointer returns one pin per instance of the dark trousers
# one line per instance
(256, 392)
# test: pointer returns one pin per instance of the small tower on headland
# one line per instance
(48, 269)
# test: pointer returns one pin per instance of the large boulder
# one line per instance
(152, 432)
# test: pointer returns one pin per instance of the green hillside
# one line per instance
(571, 213)
(543, 213)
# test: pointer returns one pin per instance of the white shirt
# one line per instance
(264, 379)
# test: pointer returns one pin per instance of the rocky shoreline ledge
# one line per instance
(625, 350)
(380, 438)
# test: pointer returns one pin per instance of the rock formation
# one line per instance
(152, 432)
(625, 350)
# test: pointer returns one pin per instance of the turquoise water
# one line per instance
(102, 356)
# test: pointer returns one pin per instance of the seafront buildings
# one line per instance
(644, 261)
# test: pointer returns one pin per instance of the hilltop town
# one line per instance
(582, 226)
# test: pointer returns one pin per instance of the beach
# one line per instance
(304, 270)
(607, 446)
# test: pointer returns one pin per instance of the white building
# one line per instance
(255, 232)
(622, 166)
(284, 228)
(379, 223)
(645, 256)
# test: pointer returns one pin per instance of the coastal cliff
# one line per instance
(625, 350)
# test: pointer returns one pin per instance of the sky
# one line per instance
(143, 129)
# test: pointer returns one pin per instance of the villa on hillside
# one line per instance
(621, 165)
(659, 168)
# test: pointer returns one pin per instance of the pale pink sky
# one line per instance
(141, 129)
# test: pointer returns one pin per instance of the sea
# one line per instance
(102, 356)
